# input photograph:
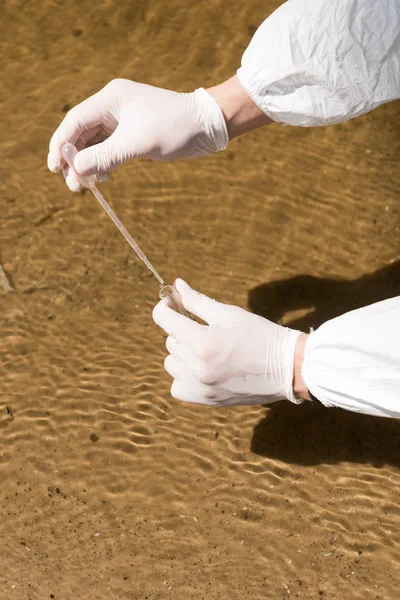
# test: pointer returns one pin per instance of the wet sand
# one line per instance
(110, 488)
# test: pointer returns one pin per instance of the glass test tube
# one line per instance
(174, 300)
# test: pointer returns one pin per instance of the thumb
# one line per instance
(198, 304)
(100, 158)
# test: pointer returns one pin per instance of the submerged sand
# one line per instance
(109, 488)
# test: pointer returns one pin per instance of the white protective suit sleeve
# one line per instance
(353, 361)
(319, 62)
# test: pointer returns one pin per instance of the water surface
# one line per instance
(110, 488)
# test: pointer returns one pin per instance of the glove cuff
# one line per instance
(292, 336)
(213, 119)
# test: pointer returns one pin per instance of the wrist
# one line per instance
(299, 387)
(240, 112)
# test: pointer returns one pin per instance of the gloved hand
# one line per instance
(239, 358)
(126, 120)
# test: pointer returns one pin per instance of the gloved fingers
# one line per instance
(88, 138)
(84, 116)
(93, 136)
(73, 182)
(176, 325)
(193, 392)
(186, 386)
(71, 178)
(181, 350)
(196, 367)
(190, 391)
(198, 304)
(176, 368)
(246, 400)
(99, 158)
(173, 347)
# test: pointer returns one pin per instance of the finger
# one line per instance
(171, 345)
(176, 325)
(193, 392)
(184, 354)
(198, 304)
(82, 117)
(102, 157)
(180, 350)
(71, 179)
(176, 368)
(189, 390)
(88, 138)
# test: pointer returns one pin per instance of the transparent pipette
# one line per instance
(69, 152)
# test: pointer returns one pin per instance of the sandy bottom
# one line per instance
(109, 488)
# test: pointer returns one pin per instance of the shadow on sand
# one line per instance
(312, 434)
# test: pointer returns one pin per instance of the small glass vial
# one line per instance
(174, 300)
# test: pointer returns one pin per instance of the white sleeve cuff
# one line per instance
(322, 62)
(353, 361)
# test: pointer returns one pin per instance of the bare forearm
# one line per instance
(240, 112)
(299, 387)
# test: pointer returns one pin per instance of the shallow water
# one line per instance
(111, 489)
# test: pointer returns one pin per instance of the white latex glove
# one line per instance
(239, 358)
(126, 120)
